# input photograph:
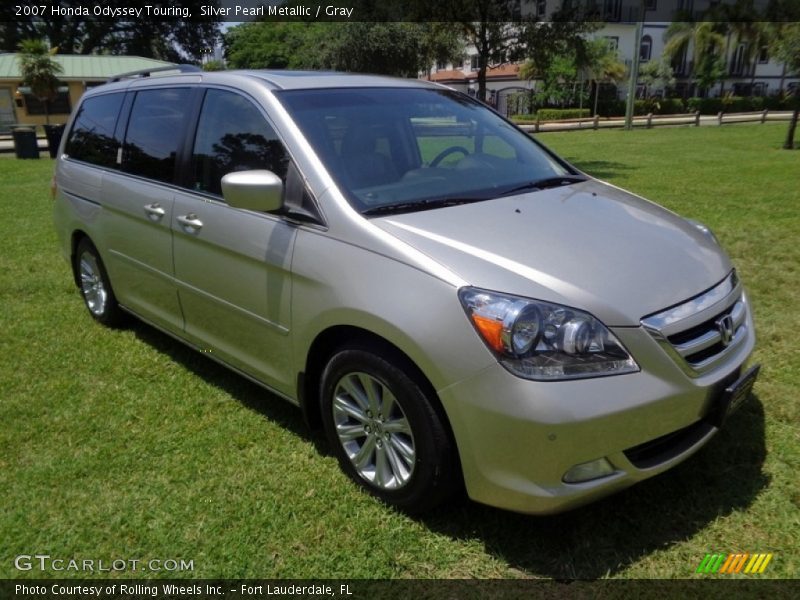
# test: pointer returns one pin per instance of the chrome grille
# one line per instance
(700, 332)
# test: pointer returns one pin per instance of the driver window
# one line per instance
(232, 135)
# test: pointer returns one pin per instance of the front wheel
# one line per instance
(385, 431)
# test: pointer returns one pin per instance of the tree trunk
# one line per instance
(783, 79)
(483, 62)
(727, 70)
(47, 111)
(482, 81)
(789, 145)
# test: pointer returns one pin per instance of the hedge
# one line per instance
(734, 104)
(666, 106)
(558, 114)
(553, 114)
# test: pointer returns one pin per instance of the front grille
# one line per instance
(698, 333)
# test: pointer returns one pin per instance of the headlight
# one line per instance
(544, 341)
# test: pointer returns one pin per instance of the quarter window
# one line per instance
(232, 135)
(92, 136)
(155, 129)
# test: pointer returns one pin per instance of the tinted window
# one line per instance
(92, 136)
(155, 130)
(232, 135)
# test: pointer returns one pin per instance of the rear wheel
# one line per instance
(385, 430)
(98, 296)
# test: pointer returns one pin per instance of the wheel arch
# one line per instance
(77, 236)
(328, 341)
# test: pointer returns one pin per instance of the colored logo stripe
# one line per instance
(711, 563)
(734, 563)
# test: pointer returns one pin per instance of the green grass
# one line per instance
(125, 444)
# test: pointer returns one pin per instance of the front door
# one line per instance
(7, 116)
(232, 266)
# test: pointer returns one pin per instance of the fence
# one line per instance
(648, 121)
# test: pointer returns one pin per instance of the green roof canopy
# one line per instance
(85, 67)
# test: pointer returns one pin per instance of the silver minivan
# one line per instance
(453, 303)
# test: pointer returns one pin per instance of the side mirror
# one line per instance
(254, 190)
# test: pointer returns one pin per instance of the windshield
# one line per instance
(405, 149)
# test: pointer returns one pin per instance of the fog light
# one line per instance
(589, 470)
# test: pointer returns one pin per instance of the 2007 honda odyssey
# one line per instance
(453, 302)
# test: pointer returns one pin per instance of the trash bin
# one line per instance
(53, 134)
(25, 145)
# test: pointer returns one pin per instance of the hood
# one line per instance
(587, 245)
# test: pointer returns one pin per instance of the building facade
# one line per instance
(748, 71)
(79, 73)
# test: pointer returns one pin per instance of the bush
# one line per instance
(523, 118)
(780, 102)
(731, 104)
(657, 106)
(558, 114)
(611, 107)
(671, 106)
(706, 106)
(742, 104)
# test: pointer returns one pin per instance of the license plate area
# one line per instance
(733, 397)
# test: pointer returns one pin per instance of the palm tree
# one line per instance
(706, 44)
(602, 65)
(785, 45)
(752, 35)
(39, 71)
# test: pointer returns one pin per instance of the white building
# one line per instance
(762, 77)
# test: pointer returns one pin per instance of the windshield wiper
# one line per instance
(402, 207)
(547, 182)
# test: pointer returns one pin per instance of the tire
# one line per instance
(404, 456)
(96, 291)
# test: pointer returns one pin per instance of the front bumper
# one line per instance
(517, 438)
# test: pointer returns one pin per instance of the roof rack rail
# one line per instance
(147, 72)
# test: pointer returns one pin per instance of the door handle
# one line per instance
(154, 211)
(190, 221)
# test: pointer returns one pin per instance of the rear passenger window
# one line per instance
(232, 135)
(92, 136)
(154, 134)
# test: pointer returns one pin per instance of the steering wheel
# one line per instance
(447, 152)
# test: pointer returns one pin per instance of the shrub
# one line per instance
(523, 118)
(706, 106)
(611, 107)
(781, 102)
(558, 114)
(671, 106)
(742, 104)
(657, 106)
(732, 104)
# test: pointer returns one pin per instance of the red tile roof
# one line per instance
(455, 75)
(448, 76)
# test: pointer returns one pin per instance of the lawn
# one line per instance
(125, 444)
